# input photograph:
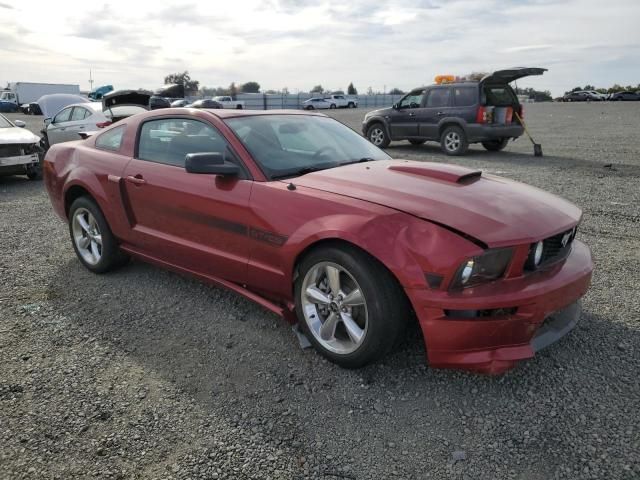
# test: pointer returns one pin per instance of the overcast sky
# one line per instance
(299, 43)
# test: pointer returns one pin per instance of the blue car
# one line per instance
(8, 106)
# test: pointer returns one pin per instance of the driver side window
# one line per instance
(63, 116)
(413, 100)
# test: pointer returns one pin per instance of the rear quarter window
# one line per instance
(465, 96)
(110, 140)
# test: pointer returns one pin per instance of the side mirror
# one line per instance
(395, 106)
(210, 162)
(47, 121)
(19, 123)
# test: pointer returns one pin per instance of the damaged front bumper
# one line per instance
(516, 317)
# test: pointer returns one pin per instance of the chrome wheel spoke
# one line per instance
(315, 295)
(353, 329)
(98, 239)
(83, 223)
(328, 328)
(84, 242)
(333, 278)
(95, 251)
(353, 298)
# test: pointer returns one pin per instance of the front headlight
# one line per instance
(489, 266)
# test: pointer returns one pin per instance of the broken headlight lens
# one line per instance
(489, 266)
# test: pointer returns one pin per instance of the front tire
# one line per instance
(94, 244)
(351, 308)
(377, 135)
(496, 145)
(332, 106)
(453, 141)
(351, 105)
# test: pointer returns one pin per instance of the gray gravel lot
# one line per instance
(146, 374)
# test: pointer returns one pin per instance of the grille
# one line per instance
(554, 249)
(13, 150)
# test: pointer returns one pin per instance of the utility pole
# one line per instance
(90, 81)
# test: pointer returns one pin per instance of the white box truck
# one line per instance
(27, 92)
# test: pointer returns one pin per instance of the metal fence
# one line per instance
(263, 101)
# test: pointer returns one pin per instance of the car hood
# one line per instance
(494, 210)
(13, 135)
(52, 103)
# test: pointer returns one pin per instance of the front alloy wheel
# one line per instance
(377, 135)
(334, 308)
(350, 307)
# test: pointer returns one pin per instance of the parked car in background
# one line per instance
(99, 92)
(625, 97)
(181, 102)
(205, 103)
(341, 101)
(228, 102)
(317, 103)
(70, 122)
(302, 215)
(584, 96)
(19, 149)
(454, 114)
(8, 107)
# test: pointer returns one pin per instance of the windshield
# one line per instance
(4, 123)
(291, 145)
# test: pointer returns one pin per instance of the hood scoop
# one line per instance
(440, 171)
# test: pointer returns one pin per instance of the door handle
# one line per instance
(137, 180)
(440, 113)
(412, 114)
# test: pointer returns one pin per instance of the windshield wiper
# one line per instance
(297, 173)
(360, 160)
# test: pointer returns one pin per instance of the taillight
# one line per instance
(103, 124)
(483, 115)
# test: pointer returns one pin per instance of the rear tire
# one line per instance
(94, 243)
(238, 107)
(377, 135)
(453, 141)
(496, 145)
(414, 141)
(351, 105)
(362, 319)
(332, 106)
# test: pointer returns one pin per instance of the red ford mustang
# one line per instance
(304, 216)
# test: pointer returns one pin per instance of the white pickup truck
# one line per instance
(342, 101)
(228, 102)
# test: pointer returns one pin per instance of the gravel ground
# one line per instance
(146, 374)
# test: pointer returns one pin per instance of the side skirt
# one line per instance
(285, 312)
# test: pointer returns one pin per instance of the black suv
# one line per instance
(454, 114)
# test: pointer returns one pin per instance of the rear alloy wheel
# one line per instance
(378, 136)
(350, 307)
(415, 141)
(496, 145)
(95, 245)
(453, 141)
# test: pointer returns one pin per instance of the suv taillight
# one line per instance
(103, 124)
(483, 115)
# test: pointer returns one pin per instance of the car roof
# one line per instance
(231, 113)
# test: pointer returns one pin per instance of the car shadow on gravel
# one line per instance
(210, 340)
(241, 362)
